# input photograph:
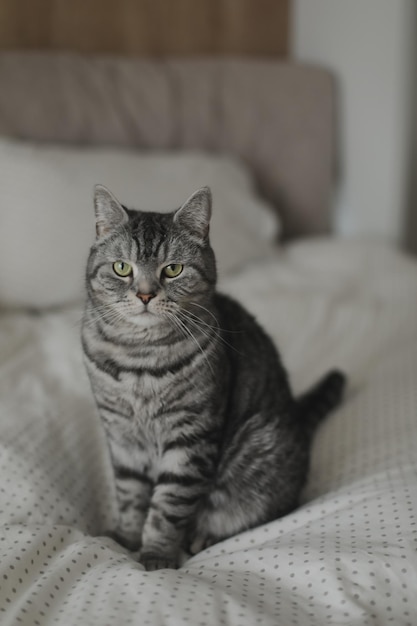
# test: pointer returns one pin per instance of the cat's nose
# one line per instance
(146, 297)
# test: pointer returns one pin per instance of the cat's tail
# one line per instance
(317, 402)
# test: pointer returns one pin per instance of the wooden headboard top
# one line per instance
(147, 27)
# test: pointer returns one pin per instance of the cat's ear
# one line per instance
(109, 212)
(195, 213)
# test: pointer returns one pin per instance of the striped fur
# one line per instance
(205, 436)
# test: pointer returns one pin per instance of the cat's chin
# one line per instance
(145, 319)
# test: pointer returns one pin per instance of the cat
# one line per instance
(205, 436)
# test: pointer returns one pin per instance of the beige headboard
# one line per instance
(278, 117)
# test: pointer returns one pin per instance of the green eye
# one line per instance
(122, 269)
(173, 270)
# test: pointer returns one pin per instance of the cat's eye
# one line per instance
(122, 269)
(173, 270)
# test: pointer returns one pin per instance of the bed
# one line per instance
(348, 554)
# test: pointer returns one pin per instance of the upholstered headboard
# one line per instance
(277, 116)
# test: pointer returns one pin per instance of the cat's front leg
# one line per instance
(182, 481)
(133, 491)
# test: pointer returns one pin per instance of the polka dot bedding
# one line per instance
(347, 555)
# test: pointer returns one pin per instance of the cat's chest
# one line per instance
(137, 409)
(139, 386)
(137, 373)
(145, 395)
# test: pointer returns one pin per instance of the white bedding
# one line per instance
(348, 555)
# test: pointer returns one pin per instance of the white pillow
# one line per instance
(46, 211)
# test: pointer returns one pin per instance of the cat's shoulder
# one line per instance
(233, 312)
(228, 304)
(243, 331)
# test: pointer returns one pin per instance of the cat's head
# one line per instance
(148, 267)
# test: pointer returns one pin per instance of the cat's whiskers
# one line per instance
(201, 328)
(223, 330)
(207, 311)
(202, 331)
(92, 319)
(109, 314)
(188, 332)
(172, 319)
(216, 331)
(197, 318)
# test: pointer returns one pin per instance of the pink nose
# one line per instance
(146, 297)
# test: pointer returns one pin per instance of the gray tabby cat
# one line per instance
(205, 435)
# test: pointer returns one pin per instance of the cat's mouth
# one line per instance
(145, 312)
(146, 315)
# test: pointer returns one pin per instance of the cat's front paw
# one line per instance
(152, 561)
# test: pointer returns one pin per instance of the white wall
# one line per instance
(367, 44)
